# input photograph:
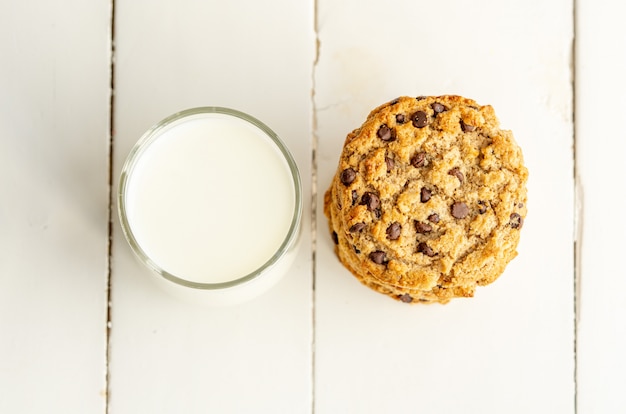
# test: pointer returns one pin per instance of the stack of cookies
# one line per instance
(428, 200)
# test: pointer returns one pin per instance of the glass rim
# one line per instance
(149, 137)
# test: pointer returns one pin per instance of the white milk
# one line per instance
(210, 198)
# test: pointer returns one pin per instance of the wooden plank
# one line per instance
(511, 348)
(167, 355)
(600, 146)
(54, 126)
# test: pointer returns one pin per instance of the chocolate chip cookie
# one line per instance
(428, 200)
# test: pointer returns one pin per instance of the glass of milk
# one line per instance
(210, 200)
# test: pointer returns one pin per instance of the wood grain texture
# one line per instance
(511, 348)
(54, 126)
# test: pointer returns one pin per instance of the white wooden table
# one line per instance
(83, 330)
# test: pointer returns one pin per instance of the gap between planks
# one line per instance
(111, 134)
(578, 206)
(314, 195)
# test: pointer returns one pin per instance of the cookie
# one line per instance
(428, 199)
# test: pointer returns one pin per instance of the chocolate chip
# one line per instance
(357, 251)
(434, 218)
(418, 160)
(335, 237)
(466, 127)
(423, 228)
(355, 228)
(377, 257)
(420, 119)
(370, 200)
(395, 101)
(457, 173)
(438, 108)
(355, 196)
(420, 98)
(482, 207)
(390, 163)
(406, 298)
(425, 194)
(393, 231)
(516, 221)
(348, 176)
(400, 118)
(425, 249)
(459, 210)
(378, 213)
(385, 133)
(520, 205)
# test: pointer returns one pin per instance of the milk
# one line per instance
(210, 199)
